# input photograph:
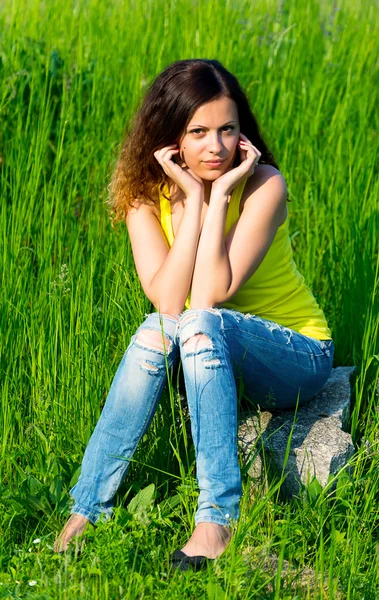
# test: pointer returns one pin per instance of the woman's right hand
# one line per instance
(188, 181)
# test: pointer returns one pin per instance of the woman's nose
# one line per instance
(215, 143)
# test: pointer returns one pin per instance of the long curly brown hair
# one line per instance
(162, 117)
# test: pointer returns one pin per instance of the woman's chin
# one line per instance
(210, 174)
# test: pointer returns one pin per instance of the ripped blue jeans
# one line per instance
(218, 348)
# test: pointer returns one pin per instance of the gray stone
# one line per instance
(319, 447)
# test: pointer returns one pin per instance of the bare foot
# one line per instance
(74, 527)
(208, 539)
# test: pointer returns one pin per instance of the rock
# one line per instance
(320, 444)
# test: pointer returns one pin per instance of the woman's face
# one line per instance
(212, 133)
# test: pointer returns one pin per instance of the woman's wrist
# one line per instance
(194, 201)
(218, 197)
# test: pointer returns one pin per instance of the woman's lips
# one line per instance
(214, 164)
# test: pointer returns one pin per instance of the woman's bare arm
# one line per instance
(165, 273)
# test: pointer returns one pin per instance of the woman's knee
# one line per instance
(195, 328)
(157, 335)
(153, 340)
(197, 334)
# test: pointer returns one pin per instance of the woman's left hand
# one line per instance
(250, 156)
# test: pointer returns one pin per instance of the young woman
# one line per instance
(206, 210)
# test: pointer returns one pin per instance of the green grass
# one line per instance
(71, 75)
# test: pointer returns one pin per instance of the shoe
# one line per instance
(181, 561)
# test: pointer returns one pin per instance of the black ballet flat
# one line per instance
(181, 561)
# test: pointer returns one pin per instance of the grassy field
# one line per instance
(71, 75)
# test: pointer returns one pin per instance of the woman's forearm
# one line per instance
(172, 282)
(212, 273)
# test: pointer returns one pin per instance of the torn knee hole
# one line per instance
(197, 342)
(152, 339)
(212, 363)
(149, 366)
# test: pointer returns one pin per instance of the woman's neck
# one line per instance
(207, 191)
(176, 193)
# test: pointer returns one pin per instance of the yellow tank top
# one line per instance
(276, 291)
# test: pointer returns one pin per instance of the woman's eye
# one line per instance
(226, 127)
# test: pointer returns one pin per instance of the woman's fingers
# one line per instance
(250, 149)
(160, 154)
(188, 182)
(162, 151)
(164, 155)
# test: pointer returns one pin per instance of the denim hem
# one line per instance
(92, 516)
(210, 519)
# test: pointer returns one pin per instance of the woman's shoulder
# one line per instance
(153, 208)
(261, 174)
